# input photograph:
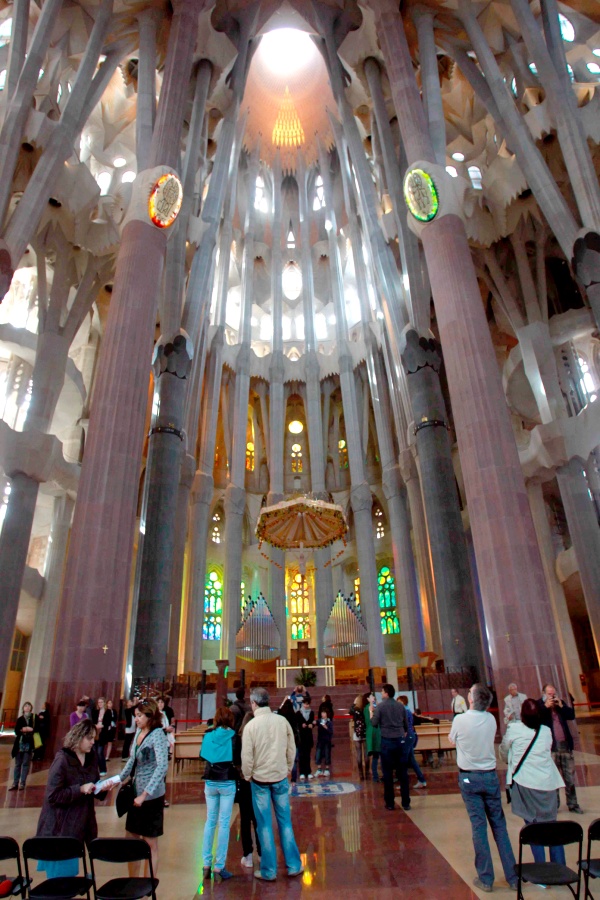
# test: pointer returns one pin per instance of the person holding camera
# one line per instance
(556, 714)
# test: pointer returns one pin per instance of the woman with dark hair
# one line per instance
(109, 732)
(372, 734)
(534, 787)
(327, 705)
(221, 749)
(150, 755)
(359, 735)
(68, 807)
(247, 817)
(287, 711)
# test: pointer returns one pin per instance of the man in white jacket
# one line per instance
(268, 754)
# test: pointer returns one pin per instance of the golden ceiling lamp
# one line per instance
(288, 131)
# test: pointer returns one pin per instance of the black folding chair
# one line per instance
(123, 850)
(9, 849)
(589, 866)
(549, 834)
(57, 849)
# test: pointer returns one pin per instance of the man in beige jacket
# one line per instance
(268, 754)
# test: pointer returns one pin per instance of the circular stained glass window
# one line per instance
(291, 281)
(421, 196)
(165, 200)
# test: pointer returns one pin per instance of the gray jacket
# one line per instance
(391, 718)
(152, 757)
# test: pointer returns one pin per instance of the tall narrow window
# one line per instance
(213, 606)
(216, 529)
(260, 195)
(291, 240)
(250, 456)
(319, 199)
(343, 453)
(296, 458)
(387, 602)
(299, 608)
(243, 597)
(379, 526)
(357, 590)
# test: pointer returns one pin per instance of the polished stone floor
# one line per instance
(350, 844)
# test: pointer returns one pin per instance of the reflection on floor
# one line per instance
(350, 844)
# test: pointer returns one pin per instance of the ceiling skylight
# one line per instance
(286, 50)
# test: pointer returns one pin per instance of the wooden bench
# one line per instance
(434, 738)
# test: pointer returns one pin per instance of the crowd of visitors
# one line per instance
(250, 751)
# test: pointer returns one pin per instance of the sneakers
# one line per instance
(317, 773)
(247, 861)
(22, 788)
(294, 874)
(486, 888)
(310, 777)
(420, 784)
(303, 778)
(326, 773)
(258, 874)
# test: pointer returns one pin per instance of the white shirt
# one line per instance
(538, 771)
(474, 735)
(459, 705)
(512, 707)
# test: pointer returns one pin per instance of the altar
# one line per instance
(286, 674)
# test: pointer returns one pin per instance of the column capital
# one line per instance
(407, 465)
(420, 12)
(37, 455)
(420, 352)
(392, 481)
(202, 488)
(235, 500)
(361, 497)
(173, 356)
(188, 470)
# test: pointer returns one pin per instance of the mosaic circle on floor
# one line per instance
(322, 789)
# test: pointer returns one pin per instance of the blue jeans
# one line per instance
(557, 854)
(412, 762)
(22, 760)
(481, 794)
(278, 793)
(219, 804)
(323, 754)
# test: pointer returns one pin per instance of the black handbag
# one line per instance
(126, 795)
(519, 764)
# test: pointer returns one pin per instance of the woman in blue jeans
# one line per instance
(534, 787)
(221, 751)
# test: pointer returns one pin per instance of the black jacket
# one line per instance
(565, 713)
(66, 812)
(305, 734)
(239, 708)
(28, 736)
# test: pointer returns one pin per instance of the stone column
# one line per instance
(454, 589)
(35, 682)
(524, 647)
(564, 628)
(145, 114)
(235, 506)
(422, 555)
(201, 500)
(423, 17)
(106, 505)
(172, 361)
(585, 534)
(186, 478)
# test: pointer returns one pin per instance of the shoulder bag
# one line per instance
(126, 795)
(520, 763)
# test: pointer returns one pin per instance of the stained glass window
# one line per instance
(243, 594)
(216, 529)
(213, 606)
(299, 607)
(296, 458)
(357, 590)
(387, 602)
(379, 526)
(343, 453)
(250, 456)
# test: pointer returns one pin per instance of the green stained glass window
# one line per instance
(387, 602)
(213, 606)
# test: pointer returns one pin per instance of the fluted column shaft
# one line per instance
(430, 80)
(146, 86)
(523, 648)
